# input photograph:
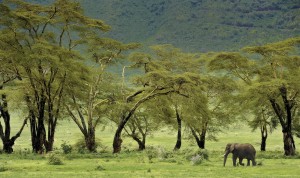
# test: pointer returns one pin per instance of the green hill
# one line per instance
(198, 25)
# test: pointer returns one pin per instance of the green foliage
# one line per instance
(3, 168)
(54, 159)
(197, 154)
(196, 160)
(100, 168)
(67, 148)
(81, 147)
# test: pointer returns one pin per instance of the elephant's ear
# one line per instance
(232, 147)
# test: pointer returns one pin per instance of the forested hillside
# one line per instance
(198, 25)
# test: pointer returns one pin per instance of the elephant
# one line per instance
(240, 151)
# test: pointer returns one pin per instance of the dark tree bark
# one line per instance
(90, 140)
(285, 118)
(140, 142)
(178, 142)
(117, 143)
(264, 136)
(37, 127)
(200, 137)
(8, 142)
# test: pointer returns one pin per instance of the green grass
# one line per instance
(130, 163)
(137, 165)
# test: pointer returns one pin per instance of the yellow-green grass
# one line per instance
(130, 163)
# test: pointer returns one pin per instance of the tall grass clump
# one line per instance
(3, 168)
(196, 156)
(54, 159)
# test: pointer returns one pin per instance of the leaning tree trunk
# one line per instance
(285, 118)
(264, 136)
(178, 142)
(140, 142)
(117, 143)
(202, 136)
(200, 140)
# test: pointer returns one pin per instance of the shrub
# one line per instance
(196, 160)
(67, 148)
(100, 168)
(3, 168)
(54, 160)
(190, 153)
(163, 154)
(80, 146)
(151, 153)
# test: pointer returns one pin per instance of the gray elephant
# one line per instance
(240, 151)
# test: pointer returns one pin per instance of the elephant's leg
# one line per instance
(248, 162)
(241, 161)
(253, 162)
(234, 160)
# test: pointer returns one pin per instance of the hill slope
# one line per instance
(198, 25)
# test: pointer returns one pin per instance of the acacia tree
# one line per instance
(40, 42)
(210, 108)
(143, 123)
(264, 121)
(279, 73)
(157, 81)
(94, 99)
(273, 77)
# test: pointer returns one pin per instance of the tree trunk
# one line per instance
(37, 127)
(263, 143)
(289, 145)
(194, 133)
(264, 136)
(202, 139)
(8, 142)
(90, 141)
(140, 142)
(285, 117)
(178, 142)
(7, 146)
(117, 138)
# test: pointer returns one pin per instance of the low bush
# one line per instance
(100, 168)
(67, 148)
(196, 160)
(190, 153)
(3, 168)
(54, 159)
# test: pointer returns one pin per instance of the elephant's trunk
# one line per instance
(225, 158)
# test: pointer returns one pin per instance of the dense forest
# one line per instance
(56, 63)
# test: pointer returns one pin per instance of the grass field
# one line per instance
(159, 161)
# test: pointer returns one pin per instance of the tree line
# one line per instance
(56, 63)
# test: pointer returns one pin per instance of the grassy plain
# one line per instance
(130, 163)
